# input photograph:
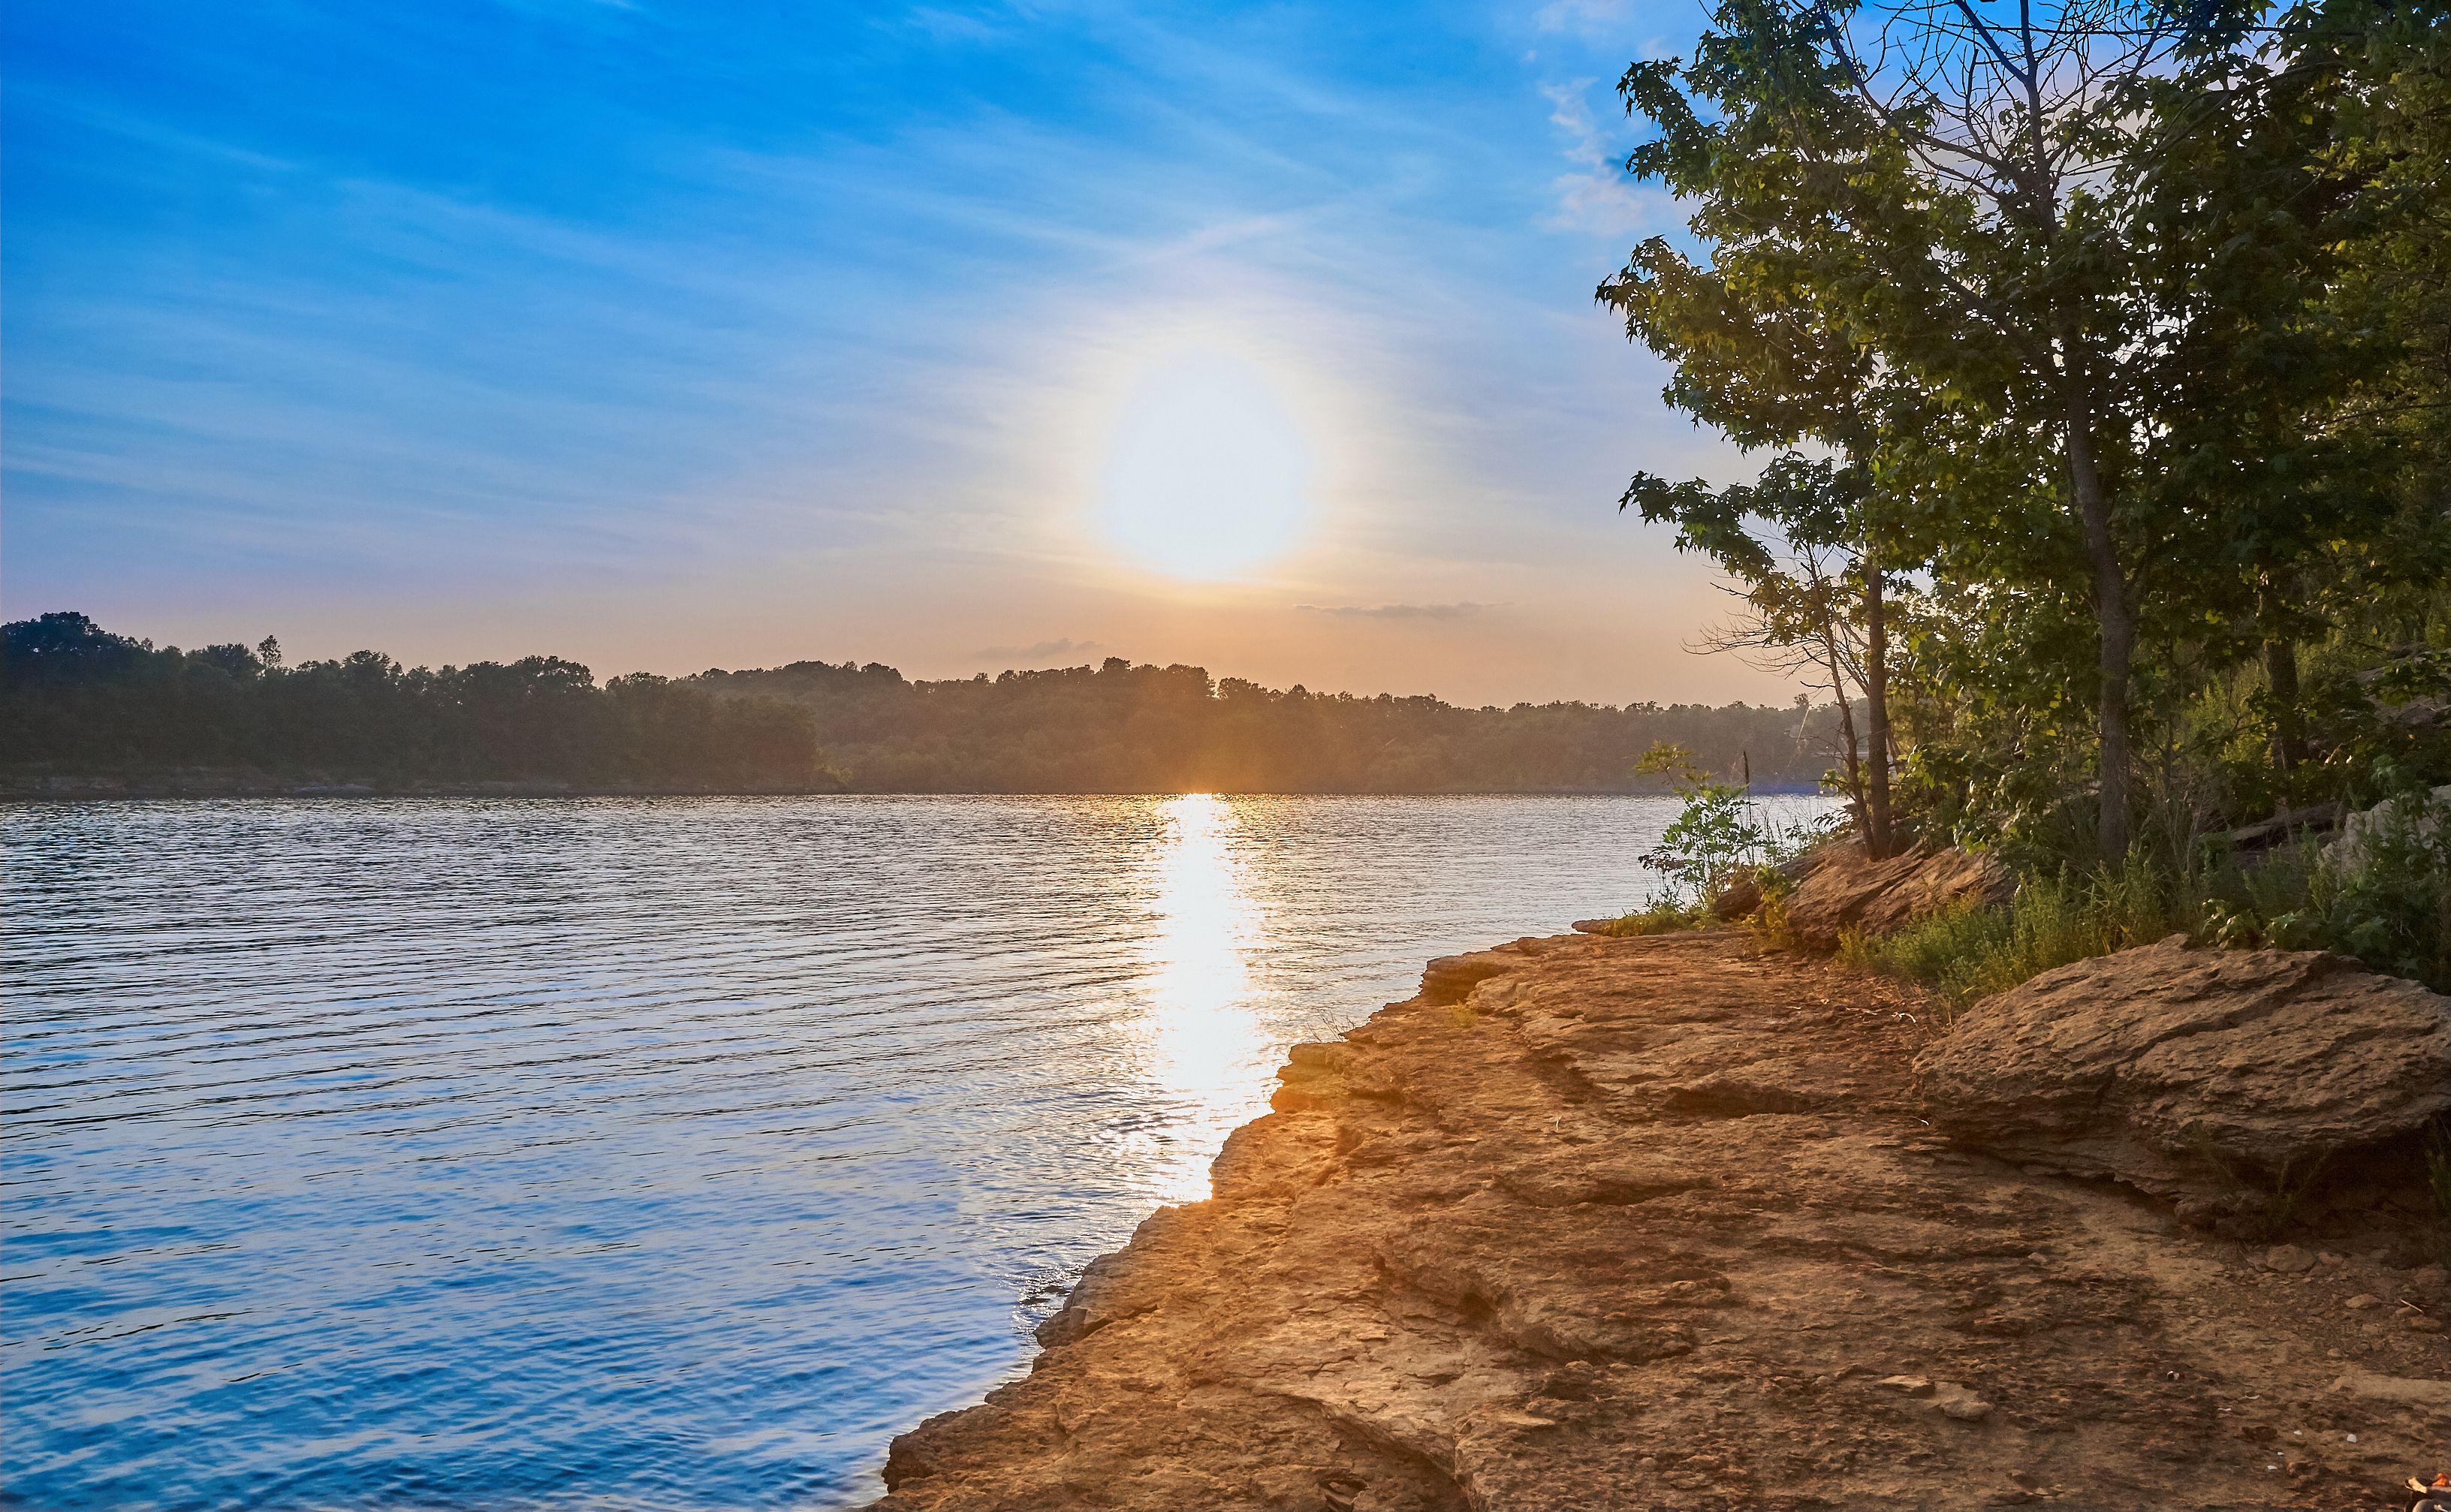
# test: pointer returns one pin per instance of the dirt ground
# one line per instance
(1655, 1223)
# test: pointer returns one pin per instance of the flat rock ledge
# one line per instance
(1659, 1223)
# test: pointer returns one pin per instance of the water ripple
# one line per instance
(651, 1154)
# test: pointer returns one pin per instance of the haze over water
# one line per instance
(649, 1153)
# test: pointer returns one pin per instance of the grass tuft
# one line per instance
(1970, 953)
(1769, 922)
(2389, 908)
(1660, 918)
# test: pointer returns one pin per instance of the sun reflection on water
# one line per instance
(1204, 1035)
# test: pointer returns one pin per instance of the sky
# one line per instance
(669, 336)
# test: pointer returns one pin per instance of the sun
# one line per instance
(1209, 472)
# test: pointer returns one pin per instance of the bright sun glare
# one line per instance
(1209, 471)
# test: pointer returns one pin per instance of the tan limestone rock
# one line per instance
(2194, 1073)
(1845, 889)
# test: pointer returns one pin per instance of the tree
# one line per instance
(76, 701)
(2378, 84)
(1772, 357)
(1795, 590)
(68, 647)
(1962, 189)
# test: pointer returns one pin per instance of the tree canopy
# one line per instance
(1125, 728)
(2102, 345)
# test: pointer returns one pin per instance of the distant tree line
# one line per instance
(77, 700)
(1120, 728)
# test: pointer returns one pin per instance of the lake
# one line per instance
(654, 1153)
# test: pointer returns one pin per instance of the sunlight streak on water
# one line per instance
(1207, 1038)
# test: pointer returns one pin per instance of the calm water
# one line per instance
(649, 1154)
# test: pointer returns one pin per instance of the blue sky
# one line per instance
(670, 337)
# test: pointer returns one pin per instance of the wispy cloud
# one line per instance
(1038, 651)
(815, 321)
(1581, 16)
(953, 26)
(1401, 611)
(1598, 196)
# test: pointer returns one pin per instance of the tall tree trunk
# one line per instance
(2280, 679)
(1878, 841)
(2281, 674)
(2110, 613)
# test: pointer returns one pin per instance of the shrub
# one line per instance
(2385, 902)
(1720, 835)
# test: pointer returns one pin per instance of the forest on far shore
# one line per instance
(80, 702)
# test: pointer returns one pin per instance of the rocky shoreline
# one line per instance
(1667, 1222)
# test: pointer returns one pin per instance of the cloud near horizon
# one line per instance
(1065, 647)
(1402, 611)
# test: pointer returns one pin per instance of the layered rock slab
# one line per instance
(1657, 1223)
(2195, 1073)
(1843, 890)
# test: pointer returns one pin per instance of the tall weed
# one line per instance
(1718, 835)
(2438, 1164)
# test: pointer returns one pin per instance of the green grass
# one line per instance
(1660, 918)
(1970, 953)
(2393, 914)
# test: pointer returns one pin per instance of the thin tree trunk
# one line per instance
(2110, 612)
(1854, 767)
(2281, 673)
(1878, 841)
(2280, 679)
